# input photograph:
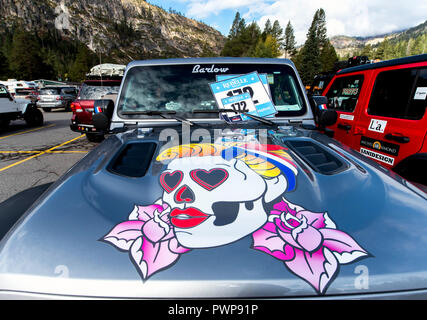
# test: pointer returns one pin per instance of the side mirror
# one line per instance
(9, 96)
(101, 120)
(327, 117)
(324, 117)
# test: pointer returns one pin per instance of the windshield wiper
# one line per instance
(254, 117)
(160, 114)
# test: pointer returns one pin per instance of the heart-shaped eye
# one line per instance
(209, 179)
(170, 180)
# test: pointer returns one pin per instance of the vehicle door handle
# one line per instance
(359, 130)
(344, 126)
(401, 139)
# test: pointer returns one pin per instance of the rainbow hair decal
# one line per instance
(286, 167)
(269, 161)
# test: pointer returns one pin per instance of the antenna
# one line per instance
(100, 62)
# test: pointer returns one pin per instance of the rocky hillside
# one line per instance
(123, 29)
(347, 45)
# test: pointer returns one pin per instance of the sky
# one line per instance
(343, 17)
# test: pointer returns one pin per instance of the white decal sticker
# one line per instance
(347, 117)
(241, 102)
(377, 125)
(217, 194)
(250, 83)
(377, 156)
(420, 93)
(211, 69)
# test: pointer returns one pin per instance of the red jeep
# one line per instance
(381, 113)
(83, 107)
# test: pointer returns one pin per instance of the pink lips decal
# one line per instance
(209, 179)
(187, 218)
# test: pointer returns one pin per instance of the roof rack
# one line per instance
(107, 70)
(386, 63)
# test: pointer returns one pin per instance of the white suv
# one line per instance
(11, 109)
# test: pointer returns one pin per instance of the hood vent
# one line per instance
(133, 160)
(317, 157)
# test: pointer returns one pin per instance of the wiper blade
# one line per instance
(160, 114)
(148, 112)
(254, 117)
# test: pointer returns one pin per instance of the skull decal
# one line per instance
(208, 209)
(216, 194)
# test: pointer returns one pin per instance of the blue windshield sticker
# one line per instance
(262, 76)
(249, 83)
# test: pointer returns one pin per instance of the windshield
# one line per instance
(185, 87)
(319, 84)
(3, 92)
(23, 92)
(49, 91)
(92, 92)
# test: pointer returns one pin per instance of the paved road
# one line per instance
(35, 156)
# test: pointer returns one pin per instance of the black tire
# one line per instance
(47, 109)
(94, 137)
(4, 124)
(33, 117)
(68, 107)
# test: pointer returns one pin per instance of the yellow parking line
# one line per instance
(39, 154)
(22, 132)
(29, 151)
(66, 142)
(19, 151)
(68, 151)
(19, 162)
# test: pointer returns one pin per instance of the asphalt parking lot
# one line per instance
(34, 156)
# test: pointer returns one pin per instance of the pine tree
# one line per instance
(84, 61)
(237, 27)
(277, 31)
(380, 53)
(417, 47)
(328, 57)
(289, 42)
(409, 46)
(24, 60)
(233, 46)
(268, 48)
(249, 39)
(310, 64)
(321, 27)
(267, 29)
(366, 51)
(242, 39)
(4, 66)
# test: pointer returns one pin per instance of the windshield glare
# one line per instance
(179, 88)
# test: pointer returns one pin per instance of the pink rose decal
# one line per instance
(149, 237)
(308, 243)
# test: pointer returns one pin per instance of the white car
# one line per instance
(12, 85)
(14, 109)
